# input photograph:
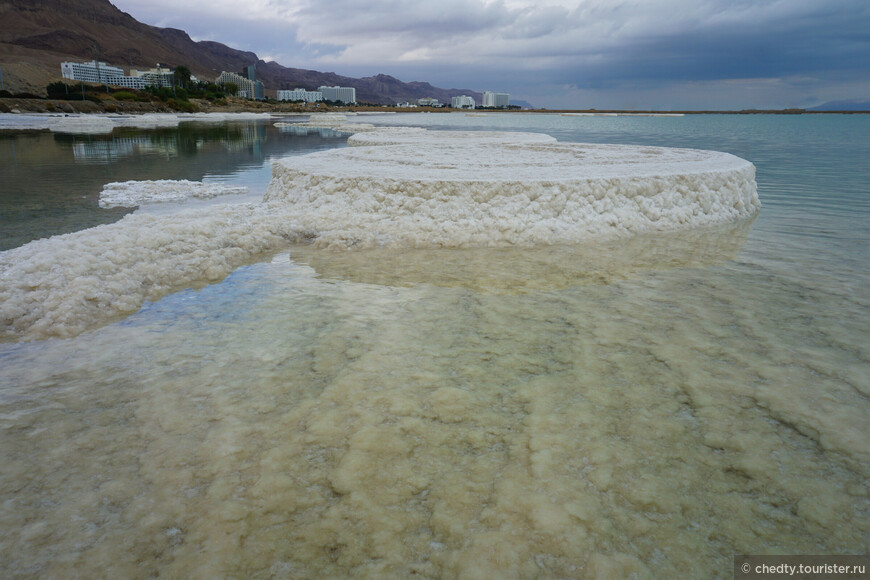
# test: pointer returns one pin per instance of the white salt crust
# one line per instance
(334, 121)
(134, 193)
(428, 190)
(460, 189)
(414, 136)
(65, 285)
(84, 124)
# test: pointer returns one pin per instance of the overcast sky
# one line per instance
(662, 54)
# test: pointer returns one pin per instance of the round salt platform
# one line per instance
(466, 189)
(414, 136)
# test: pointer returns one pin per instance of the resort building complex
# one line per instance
(99, 72)
(248, 86)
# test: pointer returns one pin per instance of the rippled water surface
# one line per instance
(651, 406)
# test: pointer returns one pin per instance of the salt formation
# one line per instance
(134, 193)
(148, 120)
(460, 189)
(222, 117)
(94, 124)
(64, 285)
(412, 189)
(335, 121)
(413, 136)
(84, 125)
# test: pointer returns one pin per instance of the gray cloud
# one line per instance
(580, 48)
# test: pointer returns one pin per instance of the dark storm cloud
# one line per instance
(526, 46)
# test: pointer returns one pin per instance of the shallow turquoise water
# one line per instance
(652, 406)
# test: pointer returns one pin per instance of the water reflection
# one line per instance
(50, 183)
(521, 270)
(302, 130)
(110, 151)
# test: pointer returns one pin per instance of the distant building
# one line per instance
(300, 95)
(158, 76)
(90, 72)
(496, 100)
(428, 102)
(100, 72)
(462, 102)
(247, 88)
(129, 82)
(346, 95)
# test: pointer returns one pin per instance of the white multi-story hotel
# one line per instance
(462, 102)
(100, 72)
(247, 88)
(300, 95)
(496, 100)
(428, 102)
(137, 83)
(90, 72)
(346, 95)
(160, 76)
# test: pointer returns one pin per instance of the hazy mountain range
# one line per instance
(843, 106)
(37, 35)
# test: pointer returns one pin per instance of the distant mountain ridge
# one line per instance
(37, 35)
(843, 106)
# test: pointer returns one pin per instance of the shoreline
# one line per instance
(236, 105)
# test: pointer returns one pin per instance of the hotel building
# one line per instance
(496, 100)
(300, 95)
(462, 102)
(346, 95)
(247, 88)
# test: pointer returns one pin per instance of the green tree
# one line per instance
(231, 89)
(182, 76)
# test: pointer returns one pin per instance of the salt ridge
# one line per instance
(85, 124)
(67, 284)
(134, 193)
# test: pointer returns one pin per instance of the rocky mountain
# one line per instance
(37, 35)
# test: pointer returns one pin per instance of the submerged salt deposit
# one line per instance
(134, 193)
(298, 423)
(455, 189)
(471, 413)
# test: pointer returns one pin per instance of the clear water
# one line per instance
(50, 183)
(650, 407)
